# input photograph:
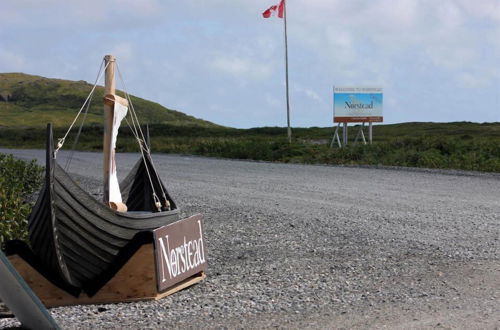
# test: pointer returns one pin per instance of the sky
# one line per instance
(223, 62)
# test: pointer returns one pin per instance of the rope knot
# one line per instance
(157, 202)
(60, 143)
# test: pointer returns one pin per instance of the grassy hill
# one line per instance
(33, 101)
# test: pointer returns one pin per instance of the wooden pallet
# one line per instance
(135, 281)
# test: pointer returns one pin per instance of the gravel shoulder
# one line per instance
(300, 246)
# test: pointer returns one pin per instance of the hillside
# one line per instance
(32, 101)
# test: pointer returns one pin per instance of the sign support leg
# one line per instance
(344, 133)
(370, 132)
(336, 137)
(362, 130)
(360, 133)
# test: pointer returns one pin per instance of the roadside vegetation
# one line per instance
(462, 145)
(18, 180)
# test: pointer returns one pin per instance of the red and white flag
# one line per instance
(280, 8)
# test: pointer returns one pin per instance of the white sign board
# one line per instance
(357, 104)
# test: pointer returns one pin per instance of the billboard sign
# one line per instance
(357, 104)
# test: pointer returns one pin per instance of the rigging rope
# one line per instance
(77, 138)
(61, 141)
(136, 129)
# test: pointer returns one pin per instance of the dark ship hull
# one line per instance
(81, 241)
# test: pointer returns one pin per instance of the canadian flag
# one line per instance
(280, 8)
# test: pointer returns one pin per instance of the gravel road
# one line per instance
(300, 246)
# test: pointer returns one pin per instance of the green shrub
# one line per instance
(466, 146)
(18, 179)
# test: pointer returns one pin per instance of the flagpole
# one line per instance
(286, 79)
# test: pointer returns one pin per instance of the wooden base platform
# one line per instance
(135, 281)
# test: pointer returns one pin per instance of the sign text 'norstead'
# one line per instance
(179, 251)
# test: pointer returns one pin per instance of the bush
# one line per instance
(18, 180)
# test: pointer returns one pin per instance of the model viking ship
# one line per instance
(79, 242)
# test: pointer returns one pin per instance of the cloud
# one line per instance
(273, 101)
(469, 80)
(123, 50)
(90, 14)
(14, 62)
(311, 94)
(488, 9)
(240, 67)
(365, 39)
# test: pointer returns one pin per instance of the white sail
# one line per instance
(115, 196)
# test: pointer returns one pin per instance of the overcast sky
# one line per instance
(220, 60)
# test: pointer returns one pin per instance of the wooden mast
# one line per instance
(109, 89)
(115, 109)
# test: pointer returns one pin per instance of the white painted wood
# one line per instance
(336, 137)
(370, 133)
